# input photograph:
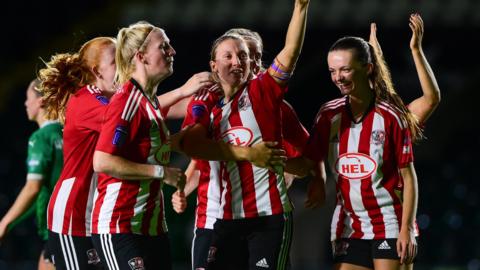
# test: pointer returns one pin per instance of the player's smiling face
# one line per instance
(232, 63)
(33, 103)
(346, 72)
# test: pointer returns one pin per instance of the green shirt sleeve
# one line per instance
(39, 157)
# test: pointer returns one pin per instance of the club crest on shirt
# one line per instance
(355, 166)
(120, 135)
(378, 137)
(244, 103)
(136, 263)
(92, 256)
(240, 136)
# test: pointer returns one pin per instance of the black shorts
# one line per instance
(363, 252)
(46, 253)
(253, 243)
(69, 252)
(202, 240)
(133, 251)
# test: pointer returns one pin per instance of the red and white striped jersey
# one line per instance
(70, 206)
(133, 129)
(250, 117)
(208, 191)
(365, 159)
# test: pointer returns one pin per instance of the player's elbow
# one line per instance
(436, 99)
(100, 162)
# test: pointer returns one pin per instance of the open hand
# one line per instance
(196, 82)
(266, 155)
(406, 246)
(373, 40)
(416, 24)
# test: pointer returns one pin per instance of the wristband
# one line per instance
(279, 71)
(159, 172)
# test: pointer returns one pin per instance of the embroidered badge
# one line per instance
(198, 110)
(378, 137)
(102, 99)
(92, 256)
(211, 254)
(136, 263)
(120, 136)
(244, 103)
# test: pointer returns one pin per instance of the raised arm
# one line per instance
(373, 39)
(423, 106)
(288, 56)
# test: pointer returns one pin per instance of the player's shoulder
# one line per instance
(90, 95)
(391, 112)
(333, 105)
(206, 94)
(330, 108)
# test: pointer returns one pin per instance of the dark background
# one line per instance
(448, 213)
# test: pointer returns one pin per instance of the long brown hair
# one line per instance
(380, 79)
(65, 73)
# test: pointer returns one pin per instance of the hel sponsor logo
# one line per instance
(355, 165)
(136, 263)
(240, 136)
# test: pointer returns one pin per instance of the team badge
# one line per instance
(136, 263)
(120, 136)
(244, 103)
(102, 99)
(211, 254)
(378, 137)
(92, 256)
